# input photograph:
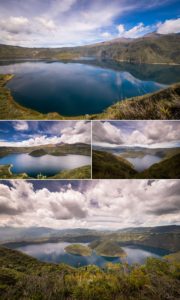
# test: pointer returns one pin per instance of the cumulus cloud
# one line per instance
(169, 26)
(136, 31)
(67, 22)
(15, 25)
(21, 125)
(97, 204)
(58, 132)
(80, 133)
(105, 132)
(145, 133)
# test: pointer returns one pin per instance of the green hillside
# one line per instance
(23, 277)
(77, 173)
(150, 49)
(106, 165)
(78, 249)
(108, 248)
(166, 169)
(51, 149)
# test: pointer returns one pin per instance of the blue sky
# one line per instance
(58, 23)
(34, 133)
(151, 134)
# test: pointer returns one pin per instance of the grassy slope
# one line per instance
(166, 169)
(23, 277)
(5, 173)
(78, 249)
(164, 104)
(153, 48)
(108, 248)
(77, 173)
(106, 165)
(174, 257)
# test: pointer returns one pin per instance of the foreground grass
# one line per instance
(5, 173)
(109, 166)
(23, 277)
(164, 104)
(77, 173)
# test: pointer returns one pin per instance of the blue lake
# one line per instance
(55, 253)
(82, 87)
(144, 162)
(47, 165)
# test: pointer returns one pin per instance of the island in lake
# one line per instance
(103, 261)
(37, 155)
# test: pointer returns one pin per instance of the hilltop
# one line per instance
(150, 49)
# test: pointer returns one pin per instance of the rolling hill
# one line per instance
(107, 165)
(152, 48)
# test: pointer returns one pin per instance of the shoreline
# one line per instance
(163, 104)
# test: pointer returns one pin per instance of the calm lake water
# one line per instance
(144, 162)
(55, 253)
(48, 165)
(83, 87)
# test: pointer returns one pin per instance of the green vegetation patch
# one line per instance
(23, 277)
(166, 169)
(77, 173)
(5, 173)
(107, 165)
(108, 249)
(38, 153)
(78, 249)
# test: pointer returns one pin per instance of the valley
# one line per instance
(127, 163)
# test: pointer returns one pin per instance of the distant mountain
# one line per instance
(152, 48)
(52, 149)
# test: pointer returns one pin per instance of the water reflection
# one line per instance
(54, 252)
(48, 165)
(81, 87)
(142, 163)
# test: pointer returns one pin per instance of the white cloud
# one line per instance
(106, 35)
(14, 24)
(46, 23)
(73, 132)
(21, 125)
(136, 31)
(145, 133)
(123, 203)
(121, 29)
(169, 26)
(80, 133)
